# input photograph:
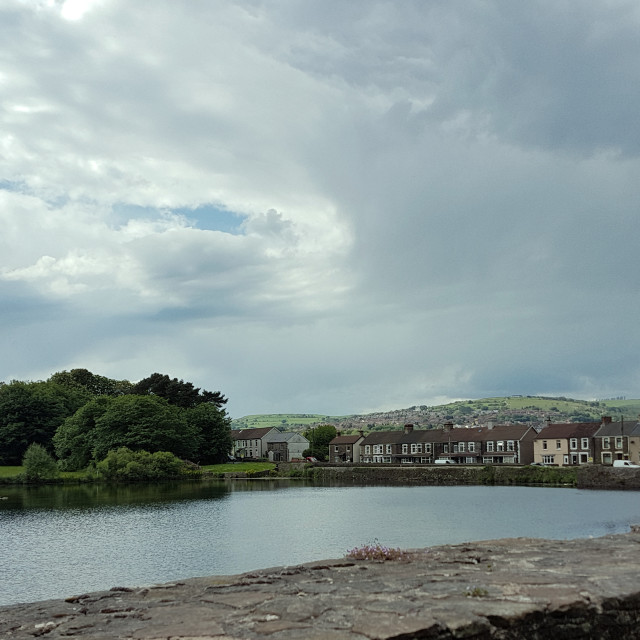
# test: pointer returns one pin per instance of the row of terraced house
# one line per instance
(558, 444)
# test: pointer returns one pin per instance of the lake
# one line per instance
(61, 541)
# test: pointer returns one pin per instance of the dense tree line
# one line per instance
(80, 417)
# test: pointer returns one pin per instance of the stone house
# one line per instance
(252, 443)
(501, 444)
(287, 446)
(345, 448)
(565, 444)
(634, 444)
(508, 444)
(612, 441)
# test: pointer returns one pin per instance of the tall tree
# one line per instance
(177, 392)
(96, 385)
(31, 412)
(319, 438)
(143, 423)
(213, 432)
(73, 440)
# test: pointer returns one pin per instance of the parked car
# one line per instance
(311, 459)
(625, 463)
(444, 461)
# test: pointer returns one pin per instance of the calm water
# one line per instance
(62, 541)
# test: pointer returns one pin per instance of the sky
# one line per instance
(323, 206)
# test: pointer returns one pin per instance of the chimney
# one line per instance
(361, 432)
(408, 428)
(447, 426)
(606, 419)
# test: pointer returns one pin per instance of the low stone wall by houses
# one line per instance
(511, 589)
(442, 475)
(584, 477)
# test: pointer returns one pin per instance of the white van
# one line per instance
(444, 461)
(625, 463)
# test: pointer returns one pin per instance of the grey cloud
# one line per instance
(437, 199)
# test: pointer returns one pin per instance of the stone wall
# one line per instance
(584, 477)
(511, 589)
(442, 475)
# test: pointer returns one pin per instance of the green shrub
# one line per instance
(124, 464)
(38, 464)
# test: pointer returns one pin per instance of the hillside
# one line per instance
(533, 410)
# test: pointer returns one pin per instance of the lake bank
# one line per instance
(510, 589)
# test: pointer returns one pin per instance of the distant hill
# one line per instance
(534, 410)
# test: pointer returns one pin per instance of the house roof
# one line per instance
(285, 436)
(252, 434)
(568, 430)
(346, 439)
(508, 432)
(612, 429)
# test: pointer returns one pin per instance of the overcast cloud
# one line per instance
(323, 206)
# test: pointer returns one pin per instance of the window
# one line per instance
(606, 443)
(618, 442)
(406, 460)
(469, 460)
(414, 448)
(427, 447)
(405, 448)
(445, 448)
(367, 449)
(544, 445)
(378, 448)
(461, 446)
(389, 449)
(548, 459)
(472, 447)
(489, 446)
(510, 445)
(500, 446)
(573, 443)
(558, 444)
(336, 448)
(424, 460)
(387, 459)
(419, 447)
(584, 443)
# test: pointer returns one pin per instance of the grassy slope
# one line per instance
(591, 410)
(286, 420)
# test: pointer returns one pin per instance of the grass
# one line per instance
(237, 467)
(240, 467)
(9, 472)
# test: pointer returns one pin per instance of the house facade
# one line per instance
(345, 448)
(565, 444)
(285, 447)
(502, 444)
(252, 443)
(615, 441)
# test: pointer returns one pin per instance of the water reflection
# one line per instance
(88, 496)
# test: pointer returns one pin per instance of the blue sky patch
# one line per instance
(213, 218)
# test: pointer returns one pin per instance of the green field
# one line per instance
(282, 420)
(240, 467)
(559, 409)
(9, 472)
